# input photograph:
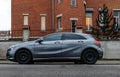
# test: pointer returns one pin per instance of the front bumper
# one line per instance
(9, 55)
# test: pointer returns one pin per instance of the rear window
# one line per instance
(89, 36)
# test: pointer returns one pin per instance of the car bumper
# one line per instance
(100, 56)
(10, 55)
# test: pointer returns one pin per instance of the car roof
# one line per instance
(88, 36)
(70, 33)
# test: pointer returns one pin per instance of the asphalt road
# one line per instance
(64, 70)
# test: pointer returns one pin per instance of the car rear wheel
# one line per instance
(89, 56)
(23, 57)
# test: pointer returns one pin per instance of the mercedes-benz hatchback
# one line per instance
(70, 47)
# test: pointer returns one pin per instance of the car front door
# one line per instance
(50, 46)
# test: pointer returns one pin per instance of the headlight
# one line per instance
(12, 47)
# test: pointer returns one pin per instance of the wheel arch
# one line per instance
(23, 49)
(90, 48)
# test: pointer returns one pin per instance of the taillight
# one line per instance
(98, 43)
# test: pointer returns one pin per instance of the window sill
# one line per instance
(43, 30)
(26, 27)
(89, 30)
(74, 6)
(59, 3)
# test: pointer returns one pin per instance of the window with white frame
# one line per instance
(89, 20)
(117, 17)
(59, 1)
(59, 23)
(43, 22)
(73, 2)
(25, 22)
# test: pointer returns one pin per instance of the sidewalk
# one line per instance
(7, 62)
(108, 62)
(99, 62)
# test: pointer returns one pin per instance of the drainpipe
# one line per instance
(85, 3)
(53, 12)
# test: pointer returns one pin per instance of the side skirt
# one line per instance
(58, 59)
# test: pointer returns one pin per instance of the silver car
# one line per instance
(71, 47)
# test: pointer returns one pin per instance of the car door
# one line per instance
(50, 46)
(72, 44)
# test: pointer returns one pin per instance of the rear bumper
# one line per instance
(100, 56)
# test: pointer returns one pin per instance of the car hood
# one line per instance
(27, 43)
(24, 44)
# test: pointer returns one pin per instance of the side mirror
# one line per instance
(39, 40)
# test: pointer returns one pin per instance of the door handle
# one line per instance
(57, 42)
(80, 41)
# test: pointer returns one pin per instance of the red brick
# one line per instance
(37, 7)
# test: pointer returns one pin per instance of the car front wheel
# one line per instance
(89, 57)
(23, 57)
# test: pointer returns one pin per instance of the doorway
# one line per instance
(25, 34)
(73, 25)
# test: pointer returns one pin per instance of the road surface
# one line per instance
(56, 70)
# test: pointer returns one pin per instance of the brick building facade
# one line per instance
(34, 18)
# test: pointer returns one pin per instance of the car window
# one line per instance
(52, 37)
(72, 37)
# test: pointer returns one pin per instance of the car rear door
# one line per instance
(72, 44)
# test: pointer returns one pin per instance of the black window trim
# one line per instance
(84, 38)
(52, 40)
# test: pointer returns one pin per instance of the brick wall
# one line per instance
(68, 11)
(34, 8)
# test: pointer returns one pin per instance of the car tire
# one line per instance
(24, 57)
(89, 56)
